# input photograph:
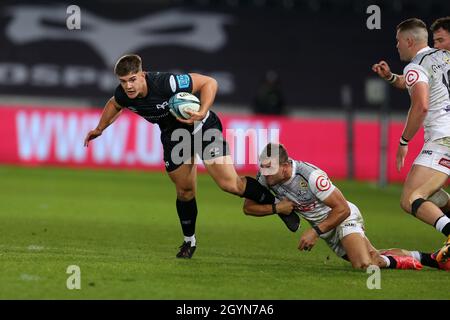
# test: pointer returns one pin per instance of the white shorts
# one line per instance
(435, 156)
(353, 224)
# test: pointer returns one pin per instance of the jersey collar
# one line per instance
(423, 50)
(294, 168)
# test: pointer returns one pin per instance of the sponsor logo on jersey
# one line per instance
(428, 152)
(447, 108)
(183, 81)
(305, 207)
(411, 77)
(445, 162)
(323, 183)
(436, 67)
(302, 193)
(173, 85)
(162, 105)
(303, 184)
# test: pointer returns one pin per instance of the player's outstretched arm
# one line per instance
(110, 113)
(416, 115)
(384, 71)
(339, 212)
(253, 208)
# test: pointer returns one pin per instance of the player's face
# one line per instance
(271, 171)
(274, 172)
(403, 46)
(133, 84)
(441, 39)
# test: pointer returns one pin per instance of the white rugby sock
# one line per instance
(416, 255)
(441, 223)
(388, 262)
(190, 239)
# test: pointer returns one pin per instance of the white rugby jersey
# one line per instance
(432, 66)
(307, 187)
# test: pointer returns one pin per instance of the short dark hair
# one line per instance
(443, 23)
(128, 64)
(411, 23)
(275, 150)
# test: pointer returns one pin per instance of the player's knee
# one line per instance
(361, 263)
(185, 194)
(405, 205)
(374, 255)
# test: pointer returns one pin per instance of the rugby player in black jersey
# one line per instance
(147, 94)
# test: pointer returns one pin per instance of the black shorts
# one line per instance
(180, 145)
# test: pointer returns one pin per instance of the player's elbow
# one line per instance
(213, 84)
(421, 108)
(247, 211)
(249, 207)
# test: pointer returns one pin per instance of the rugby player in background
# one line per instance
(427, 78)
(441, 40)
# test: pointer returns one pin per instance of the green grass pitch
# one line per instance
(122, 230)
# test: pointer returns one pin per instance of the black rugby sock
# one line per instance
(187, 212)
(442, 224)
(446, 229)
(393, 263)
(426, 260)
(447, 213)
(257, 192)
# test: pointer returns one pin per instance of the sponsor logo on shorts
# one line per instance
(350, 225)
(447, 108)
(428, 152)
(445, 162)
(214, 152)
(323, 183)
(411, 77)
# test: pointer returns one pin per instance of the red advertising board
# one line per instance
(44, 136)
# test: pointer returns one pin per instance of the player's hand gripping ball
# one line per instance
(182, 101)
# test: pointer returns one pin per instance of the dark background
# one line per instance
(316, 47)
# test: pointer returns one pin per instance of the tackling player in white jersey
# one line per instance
(303, 187)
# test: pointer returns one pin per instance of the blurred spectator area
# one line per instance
(315, 47)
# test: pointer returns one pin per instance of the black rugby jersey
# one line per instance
(154, 107)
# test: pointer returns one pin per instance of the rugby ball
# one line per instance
(182, 101)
